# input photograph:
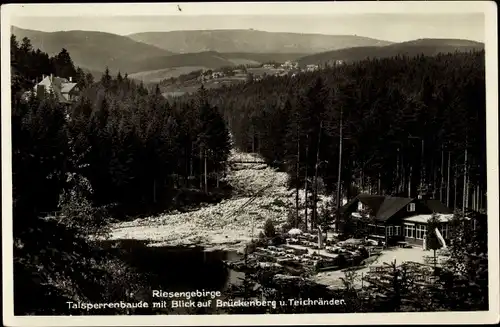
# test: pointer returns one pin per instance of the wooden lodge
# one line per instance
(398, 220)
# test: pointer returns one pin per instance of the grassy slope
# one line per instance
(155, 76)
(209, 59)
(263, 57)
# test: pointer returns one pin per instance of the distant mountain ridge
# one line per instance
(92, 50)
(428, 47)
(252, 41)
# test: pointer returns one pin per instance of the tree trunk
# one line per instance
(191, 168)
(435, 262)
(314, 220)
(379, 186)
(253, 139)
(201, 170)
(441, 187)
(305, 187)
(434, 180)
(466, 187)
(409, 181)
(423, 170)
(473, 200)
(403, 177)
(448, 181)
(363, 179)
(398, 179)
(205, 169)
(297, 180)
(480, 199)
(154, 190)
(339, 172)
(314, 214)
(455, 188)
(477, 198)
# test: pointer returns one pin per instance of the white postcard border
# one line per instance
(305, 8)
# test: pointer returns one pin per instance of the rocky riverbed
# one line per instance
(227, 225)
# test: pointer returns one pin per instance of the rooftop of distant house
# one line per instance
(383, 207)
(61, 87)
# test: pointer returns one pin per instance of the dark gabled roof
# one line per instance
(390, 207)
(372, 201)
(383, 207)
(56, 87)
(437, 206)
(348, 205)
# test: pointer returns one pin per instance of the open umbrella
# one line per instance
(294, 231)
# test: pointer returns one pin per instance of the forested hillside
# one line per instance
(119, 146)
(406, 122)
(428, 47)
(95, 50)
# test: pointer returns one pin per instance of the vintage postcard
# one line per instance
(250, 163)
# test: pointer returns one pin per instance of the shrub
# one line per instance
(364, 252)
(278, 203)
(277, 240)
(56, 260)
(291, 218)
(285, 228)
(53, 265)
(253, 245)
(269, 230)
(78, 213)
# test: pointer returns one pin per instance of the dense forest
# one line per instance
(124, 146)
(120, 145)
(403, 126)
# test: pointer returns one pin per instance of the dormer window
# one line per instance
(411, 207)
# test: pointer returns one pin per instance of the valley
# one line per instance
(154, 57)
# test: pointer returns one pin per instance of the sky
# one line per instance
(419, 21)
(390, 27)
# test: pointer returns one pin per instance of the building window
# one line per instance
(390, 231)
(443, 229)
(410, 231)
(411, 207)
(397, 230)
(420, 232)
(360, 206)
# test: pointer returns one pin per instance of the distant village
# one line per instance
(257, 72)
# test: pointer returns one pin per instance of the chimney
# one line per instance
(51, 77)
(70, 79)
(40, 91)
(43, 76)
